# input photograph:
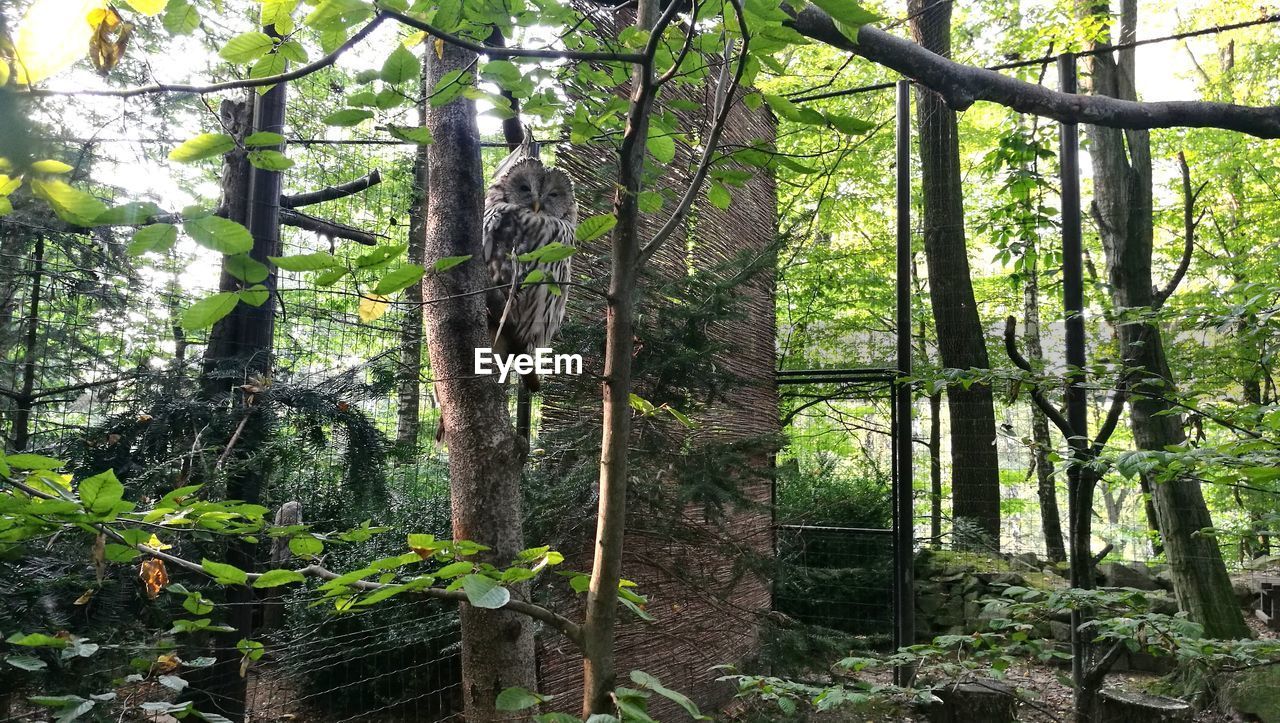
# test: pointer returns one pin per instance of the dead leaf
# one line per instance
(100, 557)
(154, 577)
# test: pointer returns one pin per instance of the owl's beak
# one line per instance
(537, 205)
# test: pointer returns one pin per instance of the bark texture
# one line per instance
(485, 456)
(409, 372)
(975, 467)
(1122, 208)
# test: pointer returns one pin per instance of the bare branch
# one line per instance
(299, 72)
(332, 229)
(1037, 396)
(961, 85)
(331, 193)
(1189, 223)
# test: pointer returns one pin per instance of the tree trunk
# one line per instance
(975, 466)
(409, 373)
(599, 669)
(1042, 443)
(485, 455)
(1122, 207)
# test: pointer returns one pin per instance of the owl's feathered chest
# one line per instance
(511, 230)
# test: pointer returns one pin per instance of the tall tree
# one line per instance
(1122, 209)
(484, 471)
(975, 466)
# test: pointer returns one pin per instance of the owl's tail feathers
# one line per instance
(531, 382)
(440, 430)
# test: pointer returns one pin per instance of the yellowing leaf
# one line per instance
(51, 36)
(155, 544)
(50, 166)
(148, 7)
(372, 307)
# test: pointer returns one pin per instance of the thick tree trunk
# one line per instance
(1122, 208)
(409, 373)
(975, 466)
(485, 456)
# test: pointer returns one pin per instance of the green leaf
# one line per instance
(263, 138)
(398, 279)
(51, 166)
(400, 66)
(101, 492)
(291, 49)
(37, 640)
(644, 680)
(276, 578)
(448, 262)
(513, 699)
(268, 66)
(306, 546)
(549, 254)
(388, 98)
(128, 214)
(26, 662)
(270, 160)
(454, 569)
(719, 196)
(70, 204)
(649, 201)
(255, 295)
(534, 276)
(220, 234)
(33, 461)
(347, 117)
(245, 268)
(247, 47)
(848, 124)
(205, 312)
(485, 592)
(448, 87)
(849, 14)
(224, 573)
(661, 147)
(420, 134)
(6, 206)
(279, 13)
(305, 262)
(594, 227)
(180, 18)
(503, 72)
(205, 145)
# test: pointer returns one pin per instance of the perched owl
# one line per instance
(528, 206)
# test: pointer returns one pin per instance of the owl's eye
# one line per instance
(553, 194)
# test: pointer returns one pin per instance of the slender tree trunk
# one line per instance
(1122, 208)
(20, 435)
(1042, 443)
(975, 466)
(599, 671)
(409, 374)
(935, 468)
(485, 455)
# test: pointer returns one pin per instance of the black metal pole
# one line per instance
(904, 512)
(1073, 309)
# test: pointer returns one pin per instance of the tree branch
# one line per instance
(1189, 223)
(724, 91)
(1015, 356)
(566, 626)
(332, 229)
(504, 52)
(331, 193)
(299, 72)
(961, 85)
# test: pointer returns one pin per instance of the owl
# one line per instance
(527, 207)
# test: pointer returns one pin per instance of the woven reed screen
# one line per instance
(707, 609)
